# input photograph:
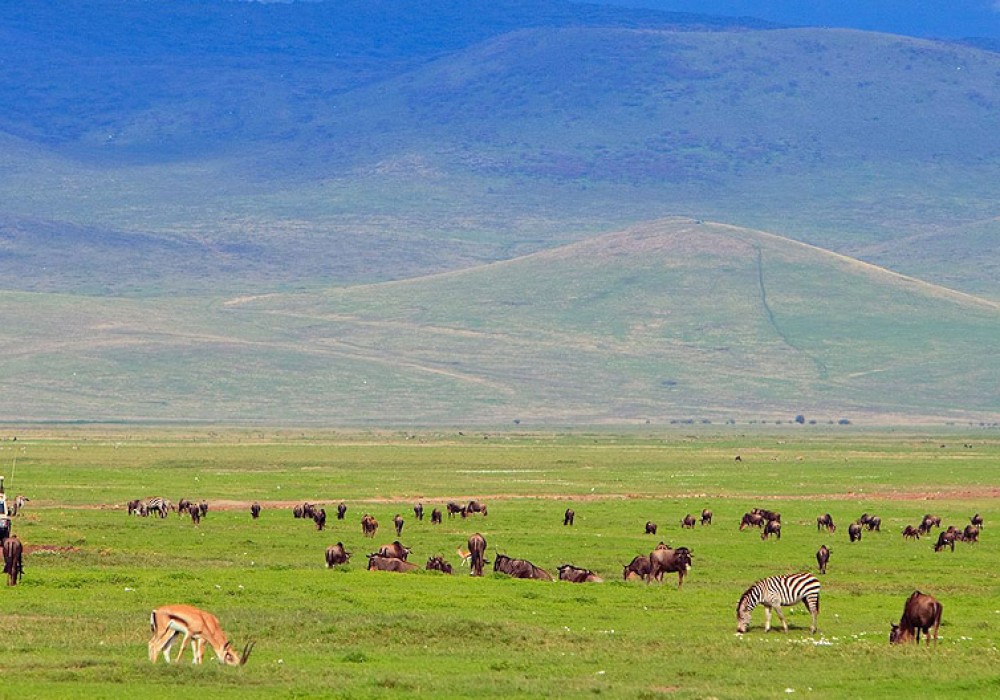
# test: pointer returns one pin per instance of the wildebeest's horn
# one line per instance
(246, 651)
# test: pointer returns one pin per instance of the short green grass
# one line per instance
(78, 623)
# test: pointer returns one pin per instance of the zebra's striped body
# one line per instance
(774, 592)
(159, 506)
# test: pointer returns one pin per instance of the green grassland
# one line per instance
(77, 625)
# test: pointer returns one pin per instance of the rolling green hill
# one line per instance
(671, 320)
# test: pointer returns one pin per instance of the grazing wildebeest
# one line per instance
(568, 517)
(341, 510)
(773, 527)
(398, 524)
(475, 507)
(752, 519)
(650, 527)
(13, 564)
(946, 539)
(437, 563)
(320, 518)
(970, 534)
(182, 506)
(520, 568)
(133, 506)
(706, 517)
(395, 550)
(920, 613)
(688, 522)
(977, 520)
(822, 557)
(454, 508)
(872, 522)
(369, 525)
(574, 574)
(477, 553)
(418, 511)
(774, 592)
(767, 514)
(911, 533)
(336, 554)
(664, 560)
(435, 517)
(637, 568)
(195, 515)
(255, 510)
(854, 532)
(825, 521)
(377, 562)
(928, 522)
(203, 507)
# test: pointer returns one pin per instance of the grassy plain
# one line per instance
(77, 625)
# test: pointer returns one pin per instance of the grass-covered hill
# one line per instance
(672, 320)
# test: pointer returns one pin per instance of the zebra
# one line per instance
(775, 591)
(158, 505)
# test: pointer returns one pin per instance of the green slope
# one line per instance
(669, 320)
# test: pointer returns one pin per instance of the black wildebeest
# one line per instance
(920, 613)
(369, 525)
(568, 516)
(380, 563)
(825, 521)
(435, 517)
(970, 534)
(341, 510)
(928, 522)
(203, 508)
(663, 559)
(320, 518)
(437, 563)
(871, 522)
(822, 557)
(574, 574)
(767, 514)
(182, 506)
(418, 511)
(195, 514)
(520, 568)
(946, 539)
(13, 561)
(637, 568)
(773, 527)
(752, 519)
(255, 510)
(395, 550)
(911, 533)
(688, 522)
(854, 532)
(706, 517)
(455, 509)
(336, 554)
(477, 553)
(650, 527)
(398, 524)
(475, 507)
(133, 506)
(304, 510)
(977, 520)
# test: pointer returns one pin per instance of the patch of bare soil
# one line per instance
(29, 548)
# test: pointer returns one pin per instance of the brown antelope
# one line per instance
(188, 622)
(464, 555)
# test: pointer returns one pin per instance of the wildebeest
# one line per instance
(752, 519)
(435, 517)
(13, 563)
(911, 533)
(664, 560)
(398, 524)
(182, 506)
(455, 509)
(255, 510)
(637, 568)
(377, 562)
(825, 521)
(977, 520)
(336, 554)
(195, 515)
(520, 568)
(477, 553)
(773, 527)
(369, 525)
(437, 563)
(970, 534)
(767, 514)
(418, 511)
(341, 510)
(203, 508)
(395, 550)
(706, 517)
(854, 532)
(822, 557)
(650, 527)
(688, 522)
(134, 506)
(872, 522)
(920, 613)
(928, 522)
(568, 516)
(574, 574)
(304, 510)
(946, 539)
(320, 518)
(475, 507)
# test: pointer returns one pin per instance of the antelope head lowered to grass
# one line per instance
(188, 622)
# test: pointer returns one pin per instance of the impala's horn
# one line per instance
(246, 652)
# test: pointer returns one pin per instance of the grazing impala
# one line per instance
(188, 622)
